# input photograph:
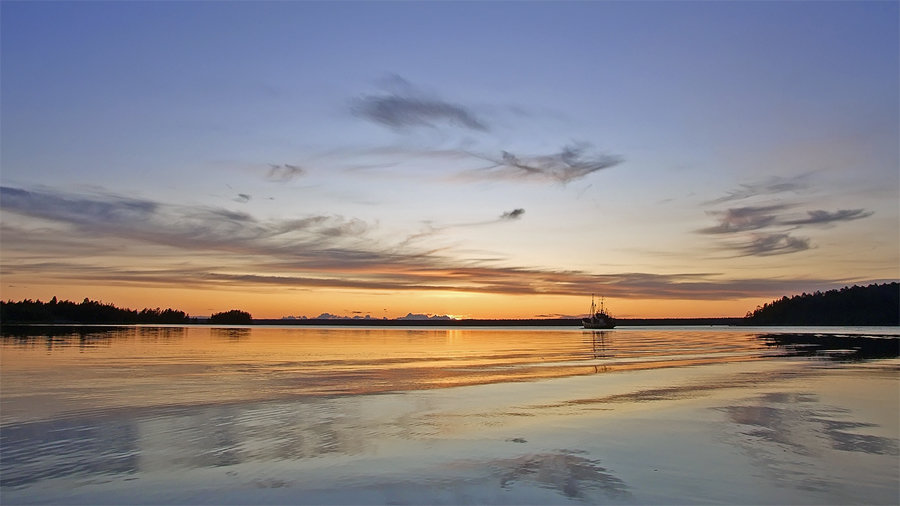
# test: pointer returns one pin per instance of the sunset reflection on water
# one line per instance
(144, 366)
(351, 415)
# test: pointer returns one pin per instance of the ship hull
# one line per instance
(588, 324)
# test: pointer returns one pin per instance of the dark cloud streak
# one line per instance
(744, 218)
(283, 173)
(78, 210)
(515, 214)
(764, 230)
(188, 227)
(772, 186)
(407, 107)
(570, 163)
(772, 244)
(821, 217)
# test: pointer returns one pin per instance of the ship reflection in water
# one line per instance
(171, 415)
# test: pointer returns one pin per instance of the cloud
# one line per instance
(216, 248)
(820, 217)
(772, 186)
(431, 229)
(111, 210)
(402, 107)
(570, 163)
(283, 173)
(407, 107)
(189, 227)
(763, 230)
(744, 218)
(515, 214)
(772, 244)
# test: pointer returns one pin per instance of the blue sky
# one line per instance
(684, 158)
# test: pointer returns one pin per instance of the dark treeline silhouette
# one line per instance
(233, 317)
(88, 311)
(854, 305)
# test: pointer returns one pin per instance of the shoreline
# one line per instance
(472, 322)
(492, 322)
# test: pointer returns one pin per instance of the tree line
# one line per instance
(90, 311)
(233, 317)
(87, 311)
(852, 305)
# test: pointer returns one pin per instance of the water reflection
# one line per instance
(161, 334)
(265, 407)
(784, 431)
(835, 346)
(599, 343)
(186, 438)
(568, 472)
(59, 448)
(231, 334)
(58, 337)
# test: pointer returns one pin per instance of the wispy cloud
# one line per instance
(283, 173)
(771, 186)
(215, 248)
(404, 107)
(190, 227)
(741, 219)
(570, 163)
(407, 107)
(765, 230)
(515, 214)
(820, 217)
(427, 274)
(432, 229)
(111, 210)
(772, 244)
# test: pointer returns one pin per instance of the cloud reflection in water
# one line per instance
(786, 434)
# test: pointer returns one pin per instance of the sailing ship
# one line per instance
(599, 318)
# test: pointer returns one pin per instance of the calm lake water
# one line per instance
(347, 415)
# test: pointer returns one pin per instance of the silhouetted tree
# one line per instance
(88, 311)
(233, 317)
(857, 305)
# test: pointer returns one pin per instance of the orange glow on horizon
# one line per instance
(263, 303)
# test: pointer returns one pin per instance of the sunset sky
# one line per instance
(495, 159)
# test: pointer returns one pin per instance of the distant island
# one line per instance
(233, 317)
(856, 305)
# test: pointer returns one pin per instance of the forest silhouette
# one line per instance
(854, 305)
(88, 311)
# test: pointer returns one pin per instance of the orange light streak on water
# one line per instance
(128, 367)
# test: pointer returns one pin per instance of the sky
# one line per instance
(471, 159)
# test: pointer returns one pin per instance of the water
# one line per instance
(347, 415)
